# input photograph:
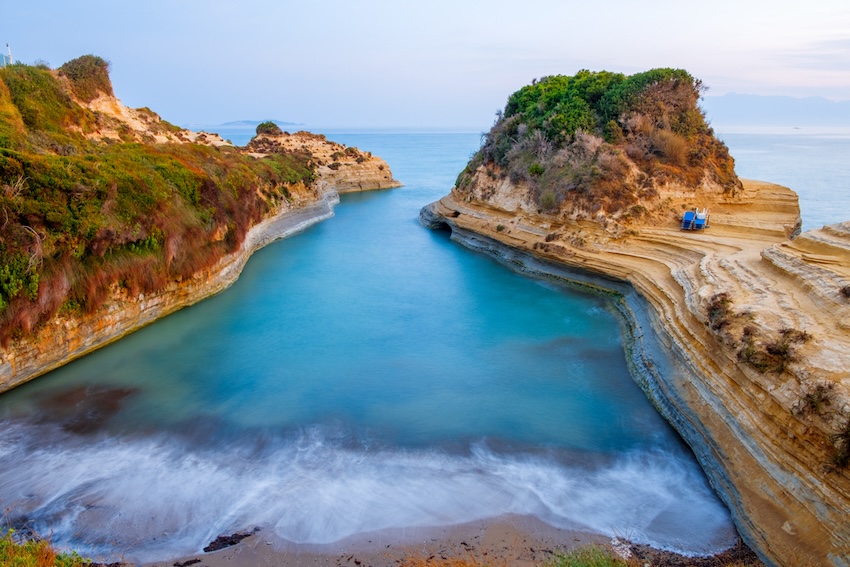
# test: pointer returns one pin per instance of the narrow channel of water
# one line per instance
(365, 374)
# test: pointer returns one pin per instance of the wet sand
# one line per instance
(508, 541)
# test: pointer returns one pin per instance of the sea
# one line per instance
(369, 374)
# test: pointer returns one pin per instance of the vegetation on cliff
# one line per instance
(602, 142)
(18, 551)
(80, 218)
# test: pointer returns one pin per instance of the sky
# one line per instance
(432, 63)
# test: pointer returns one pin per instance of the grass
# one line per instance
(34, 553)
(589, 556)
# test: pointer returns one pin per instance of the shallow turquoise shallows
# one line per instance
(365, 374)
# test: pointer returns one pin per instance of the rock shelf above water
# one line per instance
(758, 322)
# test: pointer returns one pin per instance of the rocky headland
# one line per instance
(738, 332)
(91, 258)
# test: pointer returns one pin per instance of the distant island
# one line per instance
(255, 123)
(737, 326)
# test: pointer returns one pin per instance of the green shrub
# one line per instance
(841, 445)
(588, 556)
(269, 128)
(548, 200)
(16, 552)
(589, 132)
(40, 100)
(719, 311)
(89, 77)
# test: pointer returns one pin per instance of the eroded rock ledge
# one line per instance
(706, 311)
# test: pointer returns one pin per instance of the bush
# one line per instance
(841, 445)
(719, 311)
(588, 556)
(815, 398)
(89, 77)
(771, 355)
(269, 128)
(18, 552)
(536, 170)
(548, 200)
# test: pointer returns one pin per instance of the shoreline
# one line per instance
(648, 355)
(763, 460)
(521, 541)
(65, 339)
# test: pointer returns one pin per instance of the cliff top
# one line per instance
(602, 146)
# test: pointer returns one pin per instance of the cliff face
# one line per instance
(65, 338)
(738, 334)
(113, 217)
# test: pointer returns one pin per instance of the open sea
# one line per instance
(367, 374)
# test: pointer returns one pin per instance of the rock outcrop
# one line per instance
(739, 335)
(345, 168)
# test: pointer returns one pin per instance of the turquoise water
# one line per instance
(365, 374)
(814, 164)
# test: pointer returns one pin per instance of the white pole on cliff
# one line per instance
(9, 49)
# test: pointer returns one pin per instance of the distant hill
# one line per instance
(753, 110)
(254, 123)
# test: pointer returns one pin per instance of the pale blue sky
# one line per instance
(438, 63)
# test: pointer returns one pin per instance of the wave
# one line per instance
(153, 498)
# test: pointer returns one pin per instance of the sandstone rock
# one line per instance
(767, 453)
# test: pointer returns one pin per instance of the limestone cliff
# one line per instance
(113, 218)
(65, 338)
(768, 438)
(738, 333)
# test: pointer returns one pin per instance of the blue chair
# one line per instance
(688, 220)
(701, 219)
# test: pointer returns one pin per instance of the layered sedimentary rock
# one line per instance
(738, 333)
(345, 168)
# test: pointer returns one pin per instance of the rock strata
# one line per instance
(738, 334)
(345, 168)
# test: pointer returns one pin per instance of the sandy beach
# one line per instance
(519, 541)
(510, 540)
